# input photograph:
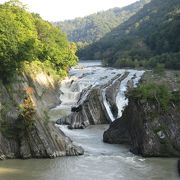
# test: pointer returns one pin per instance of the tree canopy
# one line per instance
(91, 28)
(27, 37)
(148, 38)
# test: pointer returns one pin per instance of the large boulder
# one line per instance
(147, 129)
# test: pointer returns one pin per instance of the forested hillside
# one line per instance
(149, 38)
(91, 28)
(25, 37)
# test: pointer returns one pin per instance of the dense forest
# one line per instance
(26, 38)
(89, 29)
(149, 38)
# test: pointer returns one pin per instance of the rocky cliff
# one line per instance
(148, 128)
(25, 131)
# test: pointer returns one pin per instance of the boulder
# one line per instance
(147, 129)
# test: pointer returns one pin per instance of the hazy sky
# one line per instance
(55, 10)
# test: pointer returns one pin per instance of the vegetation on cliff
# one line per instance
(154, 92)
(150, 122)
(148, 38)
(32, 54)
(26, 37)
(160, 88)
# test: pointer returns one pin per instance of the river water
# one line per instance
(101, 161)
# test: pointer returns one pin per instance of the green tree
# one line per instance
(151, 37)
(18, 38)
(26, 37)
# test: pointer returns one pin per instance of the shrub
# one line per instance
(159, 69)
(176, 96)
(154, 92)
(26, 116)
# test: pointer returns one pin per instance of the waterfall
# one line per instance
(83, 79)
(121, 99)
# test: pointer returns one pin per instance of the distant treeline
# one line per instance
(148, 38)
(91, 28)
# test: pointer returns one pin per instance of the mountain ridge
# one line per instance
(148, 38)
(93, 27)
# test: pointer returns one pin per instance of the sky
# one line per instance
(58, 10)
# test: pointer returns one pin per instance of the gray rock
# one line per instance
(90, 108)
(89, 111)
(112, 91)
(178, 166)
(147, 130)
(42, 139)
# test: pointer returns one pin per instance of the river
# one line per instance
(101, 161)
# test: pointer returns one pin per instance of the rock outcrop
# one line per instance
(178, 167)
(111, 92)
(90, 111)
(90, 108)
(40, 138)
(147, 129)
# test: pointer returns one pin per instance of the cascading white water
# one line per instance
(105, 102)
(69, 96)
(101, 160)
(82, 78)
(107, 106)
(138, 77)
(121, 99)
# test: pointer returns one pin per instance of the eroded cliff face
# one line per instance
(147, 129)
(40, 139)
(89, 111)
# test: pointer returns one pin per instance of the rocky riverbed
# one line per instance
(145, 125)
(91, 98)
(93, 95)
